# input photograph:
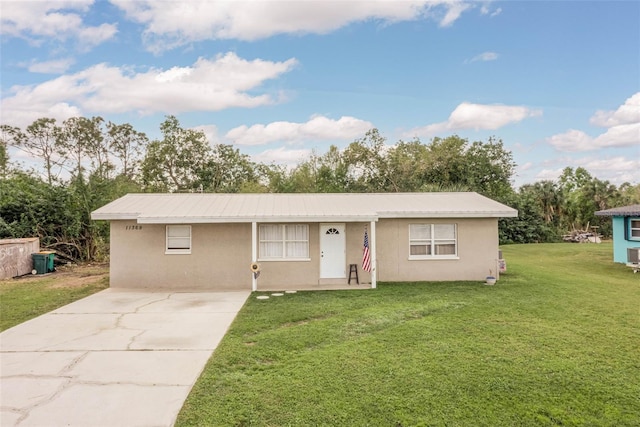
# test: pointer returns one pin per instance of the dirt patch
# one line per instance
(76, 282)
(68, 276)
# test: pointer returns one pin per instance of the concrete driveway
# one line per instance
(116, 358)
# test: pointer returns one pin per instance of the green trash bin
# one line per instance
(40, 262)
(49, 259)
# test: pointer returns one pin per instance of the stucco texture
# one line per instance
(221, 255)
(219, 260)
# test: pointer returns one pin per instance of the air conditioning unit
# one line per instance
(633, 259)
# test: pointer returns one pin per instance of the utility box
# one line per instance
(633, 259)
(43, 262)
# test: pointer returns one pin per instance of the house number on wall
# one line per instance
(133, 227)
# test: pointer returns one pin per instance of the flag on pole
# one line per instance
(366, 256)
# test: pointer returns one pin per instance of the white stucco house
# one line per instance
(299, 241)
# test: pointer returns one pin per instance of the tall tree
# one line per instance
(177, 162)
(83, 141)
(489, 168)
(5, 137)
(529, 226)
(408, 164)
(630, 194)
(366, 162)
(332, 171)
(126, 144)
(229, 171)
(550, 199)
(40, 140)
(446, 163)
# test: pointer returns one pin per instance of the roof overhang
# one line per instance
(244, 220)
(98, 216)
(295, 208)
(424, 215)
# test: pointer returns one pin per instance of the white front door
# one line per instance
(333, 251)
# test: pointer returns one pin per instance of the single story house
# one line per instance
(299, 241)
(626, 230)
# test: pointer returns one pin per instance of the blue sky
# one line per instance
(557, 81)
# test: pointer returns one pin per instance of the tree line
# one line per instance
(87, 162)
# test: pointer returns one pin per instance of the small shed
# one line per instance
(626, 230)
(15, 256)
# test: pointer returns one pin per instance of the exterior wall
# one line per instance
(477, 251)
(620, 244)
(219, 260)
(355, 246)
(15, 256)
(221, 255)
(292, 275)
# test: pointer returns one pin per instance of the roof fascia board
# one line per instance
(226, 220)
(348, 218)
(113, 216)
(509, 214)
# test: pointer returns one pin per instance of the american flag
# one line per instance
(366, 257)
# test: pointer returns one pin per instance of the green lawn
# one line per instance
(555, 342)
(25, 298)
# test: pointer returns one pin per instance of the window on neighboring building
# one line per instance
(284, 241)
(634, 228)
(178, 239)
(432, 241)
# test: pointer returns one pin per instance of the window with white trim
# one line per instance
(284, 241)
(634, 228)
(178, 239)
(433, 241)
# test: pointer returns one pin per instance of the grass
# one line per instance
(25, 298)
(555, 342)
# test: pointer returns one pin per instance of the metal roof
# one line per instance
(279, 207)
(621, 211)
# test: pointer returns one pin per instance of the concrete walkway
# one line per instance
(116, 358)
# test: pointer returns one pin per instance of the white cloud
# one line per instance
(56, 66)
(525, 166)
(623, 130)
(616, 170)
(210, 131)
(572, 140)
(484, 57)
(53, 20)
(476, 116)
(282, 156)
(627, 135)
(24, 113)
(618, 164)
(317, 128)
(484, 10)
(627, 113)
(207, 85)
(549, 174)
(172, 24)
(454, 10)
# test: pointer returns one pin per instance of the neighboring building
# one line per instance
(626, 229)
(299, 241)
